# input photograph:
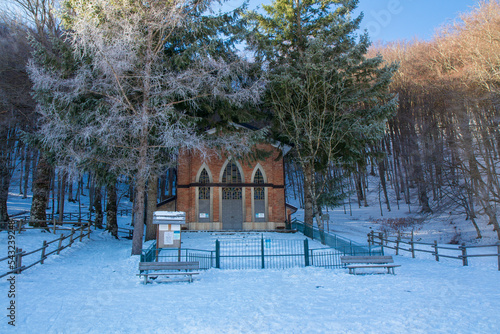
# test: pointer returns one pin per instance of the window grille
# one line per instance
(258, 192)
(204, 192)
(231, 193)
(231, 174)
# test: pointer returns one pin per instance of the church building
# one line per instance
(227, 194)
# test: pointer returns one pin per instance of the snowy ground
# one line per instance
(93, 288)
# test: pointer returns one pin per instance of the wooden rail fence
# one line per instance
(51, 225)
(54, 226)
(78, 233)
(398, 243)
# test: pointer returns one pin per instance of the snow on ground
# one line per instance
(94, 289)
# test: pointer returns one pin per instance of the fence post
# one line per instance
(262, 252)
(412, 246)
(19, 259)
(81, 233)
(306, 252)
(217, 254)
(60, 243)
(498, 252)
(381, 237)
(88, 235)
(43, 251)
(464, 254)
(71, 236)
(436, 250)
(397, 242)
(54, 226)
(369, 240)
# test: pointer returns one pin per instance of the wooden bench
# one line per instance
(355, 262)
(147, 269)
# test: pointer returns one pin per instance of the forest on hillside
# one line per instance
(441, 142)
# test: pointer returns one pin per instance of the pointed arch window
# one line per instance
(204, 192)
(231, 175)
(258, 193)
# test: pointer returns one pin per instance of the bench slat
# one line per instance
(169, 265)
(375, 266)
(356, 262)
(146, 267)
(366, 259)
(168, 274)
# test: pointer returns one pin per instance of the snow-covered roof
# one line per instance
(169, 217)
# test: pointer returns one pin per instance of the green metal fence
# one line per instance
(344, 245)
(206, 258)
(261, 253)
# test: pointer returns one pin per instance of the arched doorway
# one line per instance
(232, 198)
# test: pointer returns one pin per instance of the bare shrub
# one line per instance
(400, 224)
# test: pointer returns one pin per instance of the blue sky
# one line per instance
(389, 20)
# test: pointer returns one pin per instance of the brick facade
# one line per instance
(189, 168)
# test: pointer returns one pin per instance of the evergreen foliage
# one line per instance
(329, 100)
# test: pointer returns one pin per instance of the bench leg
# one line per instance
(145, 278)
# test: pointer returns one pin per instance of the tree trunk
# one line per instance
(70, 191)
(139, 216)
(27, 165)
(5, 177)
(381, 170)
(98, 207)
(41, 191)
(34, 164)
(111, 211)
(61, 196)
(308, 196)
(151, 207)
(478, 231)
(7, 163)
(22, 159)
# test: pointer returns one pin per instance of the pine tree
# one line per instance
(328, 99)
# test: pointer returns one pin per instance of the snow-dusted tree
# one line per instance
(119, 102)
(328, 98)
